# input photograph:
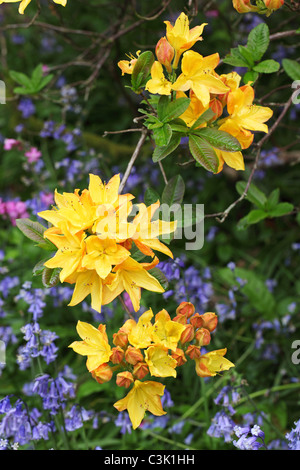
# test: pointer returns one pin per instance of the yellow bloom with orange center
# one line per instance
(71, 249)
(24, 3)
(158, 84)
(144, 396)
(147, 231)
(181, 37)
(212, 363)
(166, 331)
(94, 345)
(159, 362)
(244, 116)
(198, 74)
(127, 66)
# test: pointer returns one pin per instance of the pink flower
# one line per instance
(14, 210)
(33, 155)
(12, 143)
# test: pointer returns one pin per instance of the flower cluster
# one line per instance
(265, 7)
(24, 4)
(146, 347)
(214, 111)
(96, 242)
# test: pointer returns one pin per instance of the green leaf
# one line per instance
(273, 199)
(250, 76)
(254, 195)
(39, 267)
(205, 117)
(175, 109)
(162, 152)
(257, 292)
(159, 275)
(247, 55)
(267, 66)
(219, 139)
(291, 68)
(162, 135)
(32, 230)
(173, 192)
(20, 78)
(151, 196)
(256, 216)
(203, 153)
(235, 58)
(141, 70)
(179, 125)
(283, 208)
(258, 41)
(50, 277)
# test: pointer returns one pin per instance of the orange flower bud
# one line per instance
(103, 373)
(140, 370)
(202, 336)
(185, 308)
(182, 319)
(273, 4)
(196, 320)
(133, 355)
(193, 351)
(188, 334)
(124, 379)
(217, 107)
(243, 6)
(117, 355)
(164, 53)
(179, 356)
(210, 321)
(120, 339)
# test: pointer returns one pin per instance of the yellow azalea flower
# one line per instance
(244, 116)
(166, 331)
(94, 345)
(140, 334)
(102, 255)
(24, 3)
(146, 232)
(233, 159)
(127, 66)
(71, 249)
(181, 37)
(159, 362)
(87, 282)
(113, 223)
(130, 276)
(144, 396)
(107, 193)
(211, 363)
(195, 109)
(78, 210)
(158, 84)
(198, 75)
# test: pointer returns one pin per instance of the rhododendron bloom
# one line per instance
(244, 116)
(158, 84)
(164, 53)
(24, 3)
(159, 362)
(127, 66)
(211, 363)
(198, 75)
(181, 37)
(94, 345)
(166, 331)
(144, 396)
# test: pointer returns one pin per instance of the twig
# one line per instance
(133, 159)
